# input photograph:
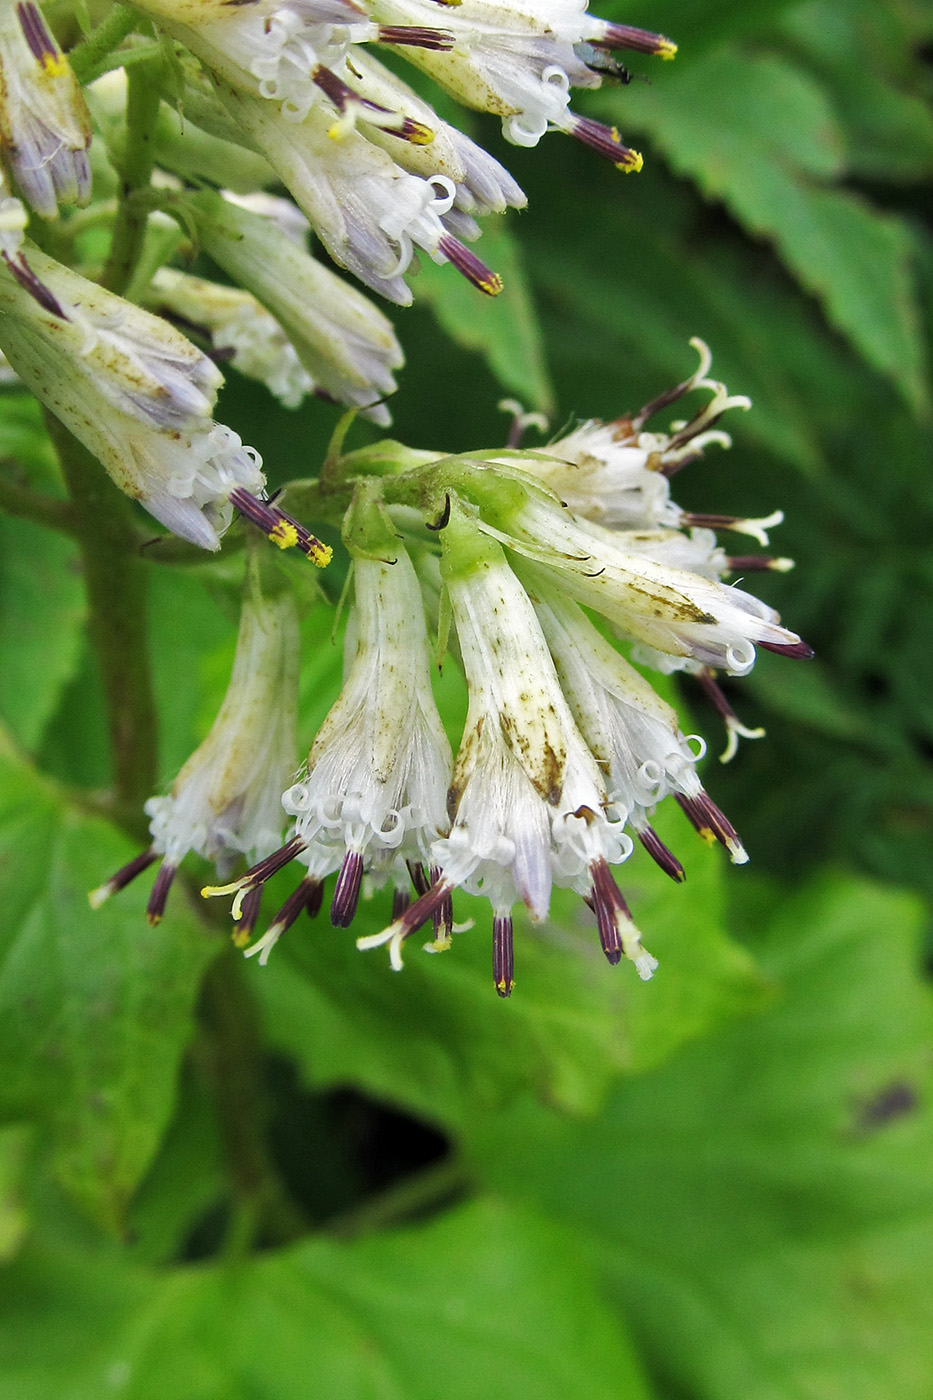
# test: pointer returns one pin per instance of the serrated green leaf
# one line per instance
(485, 1301)
(95, 1007)
(757, 133)
(762, 1204)
(864, 54)
(504, 328)
(437, 1039)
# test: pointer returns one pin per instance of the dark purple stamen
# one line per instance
(605, 141)
(708, 820)
(419, 877)
(128, 872)
(280, 527)
(401, 899)
(249, 916)
(41, 44)
(750, 563)
(670, 469)
(627, 36)
(315, 898)
(347, 890)
(503, 962)
(469, 264)
(660, 854)
(798, 650)
(265, 869)
(297, 900)
(415, 36)
(425, 907)
(161, 886)
(30, 283)
(608, 905)
(343, 96)
(714, 693)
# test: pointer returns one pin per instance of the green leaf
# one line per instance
(485, 1301)
(762, 1205)
(869, 60)
(436, 1039)
(759, 134)
(503, 328)
(95, 1007)
(41, 625)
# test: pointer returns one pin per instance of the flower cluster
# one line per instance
(189, 132)
(567, 749)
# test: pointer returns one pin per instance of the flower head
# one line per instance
(45, 130)
(226, 801)
(375, 787)
(139, 396)
(346, 346)
(528, 803)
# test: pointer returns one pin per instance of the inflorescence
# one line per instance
(503, 557)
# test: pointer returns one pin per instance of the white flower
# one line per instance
(618, 474)
(135, 391)
(379, 768)
(45, 129)
(519, 62)
(677, 612)
(369, 213)
(267, 48)
(237, 327)
(226, 801)
(529, 804)
(433, 146)
(632, 732)
(345, 344)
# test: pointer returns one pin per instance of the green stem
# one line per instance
(24, 504)
(229, 1053)
(90, 58)
(409, 1199)
(129, 229)
(115, 578)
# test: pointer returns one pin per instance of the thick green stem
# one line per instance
(115, 578)
(91, 57)
(129, 229)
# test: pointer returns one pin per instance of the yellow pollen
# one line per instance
(320, 554)
(666, 48)
(55, 64)
(153, 919)
(708, 835)
(240, 937)
(492, 285)
(632, 163)
(419, 134)
(284, 534)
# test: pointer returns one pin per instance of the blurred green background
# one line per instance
(318, 1179)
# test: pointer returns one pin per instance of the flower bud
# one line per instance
(130, 387)
(45, 129)
(226, 801)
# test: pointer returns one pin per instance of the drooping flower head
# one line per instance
(138, 394)
(529, 806)
(226, 801)
(374, 792)
(566, 750)
(345, 344)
